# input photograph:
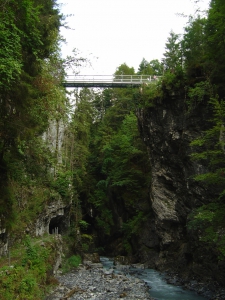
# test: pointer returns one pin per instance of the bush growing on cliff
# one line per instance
(62, 184)
(209, 223)
(148, 95)
(199, 92)
(72, 262)
(210, 148)
(208, 220)
(132, 228)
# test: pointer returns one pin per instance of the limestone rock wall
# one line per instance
(57, 211)
(54, 137)
(167, 129)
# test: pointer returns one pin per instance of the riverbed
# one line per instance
(106, 281)
(92, 281)
(158, 287)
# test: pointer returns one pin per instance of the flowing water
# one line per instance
(160, 289)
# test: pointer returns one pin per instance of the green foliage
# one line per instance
(104, 157)
(124, 69)
(154, 67)
(86, 242)
(30, 74)
(211, 147)
(173, 81)
(18, 283)
(157, 67)
(83, 224)
(194, 48)
(173, 55)
(148, 95)
(208, 149)
(102, 101)
(117, 162)
(7, 200)
(214, 46)
(132, 228)
(123, 165)
(79, 128)
(72, 262)
(197, 94)
(35, 259)
(127, 246)
(145, 68)
(27, 279)
(10, 54)
(121, 155)
(105, 220)
(133, 225)
(208, 221)
(62, 184)
(30, 203)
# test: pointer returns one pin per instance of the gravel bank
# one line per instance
(92, 281)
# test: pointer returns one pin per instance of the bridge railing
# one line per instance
(132, 79)
(89, 78)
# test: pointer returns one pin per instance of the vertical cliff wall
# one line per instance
(167, 129)
(54, 137)
(53, 213)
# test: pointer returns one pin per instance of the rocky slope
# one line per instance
(165, 243)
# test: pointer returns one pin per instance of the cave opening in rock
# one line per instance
(57, 225)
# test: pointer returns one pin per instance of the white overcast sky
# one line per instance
(112, 32)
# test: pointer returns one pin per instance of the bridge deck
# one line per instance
(105, 81)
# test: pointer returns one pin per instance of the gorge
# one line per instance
(135, 173)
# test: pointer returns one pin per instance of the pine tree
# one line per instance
(173, 55)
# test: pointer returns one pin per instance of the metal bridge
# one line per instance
(105, 81)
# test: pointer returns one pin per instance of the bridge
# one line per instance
(106, 81)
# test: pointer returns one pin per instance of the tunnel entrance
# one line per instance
(57, 225)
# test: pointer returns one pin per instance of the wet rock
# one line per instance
(93, 257)
(98, 283)
(121, 260)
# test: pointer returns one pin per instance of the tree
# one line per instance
(10, 54)
(194, 48)
(117, 170)
(124, 70)
(102, 101)
(29, 94)
(208, 220)
(215, 44)
(145, 68)
(157, 67)
(173, 56)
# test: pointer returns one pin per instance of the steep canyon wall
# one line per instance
(167, 129)
(54, 214)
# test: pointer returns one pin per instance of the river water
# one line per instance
(160, 289)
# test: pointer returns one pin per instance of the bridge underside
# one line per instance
(101, 84)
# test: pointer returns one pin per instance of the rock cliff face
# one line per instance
(3, 241)
(53, 219)
(167, 129)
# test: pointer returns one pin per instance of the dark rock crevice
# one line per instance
(58, 225)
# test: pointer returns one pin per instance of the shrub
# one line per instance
(71, 262)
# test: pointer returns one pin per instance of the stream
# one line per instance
(160, 289)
